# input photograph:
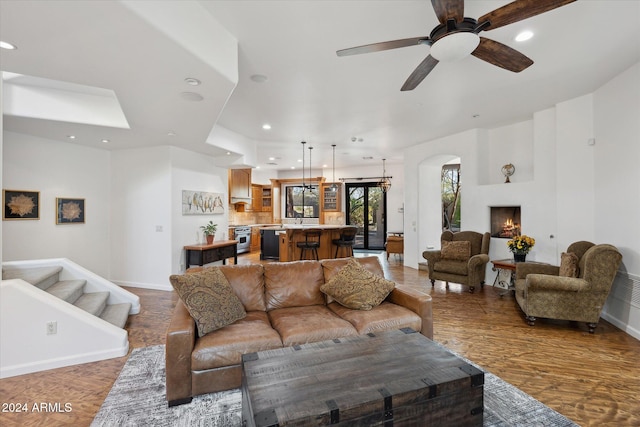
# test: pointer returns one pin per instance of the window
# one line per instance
(301, 202)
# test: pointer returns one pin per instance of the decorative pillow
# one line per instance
(357, 288)
(209, 299)
(568, 265)
(456, 251)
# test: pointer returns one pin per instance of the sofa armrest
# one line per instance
(525, 268)
(479, 260)
(181, 337)
(544, 282)
(416, 301)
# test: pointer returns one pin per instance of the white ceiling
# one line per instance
(311, 94)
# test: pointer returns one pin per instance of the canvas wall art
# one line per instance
(201, 203)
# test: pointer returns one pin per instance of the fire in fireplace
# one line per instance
(505, 221)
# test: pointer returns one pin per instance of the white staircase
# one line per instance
(55, 313)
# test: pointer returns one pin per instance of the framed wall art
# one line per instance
(202, 203)
(69, 211)
(20, 204)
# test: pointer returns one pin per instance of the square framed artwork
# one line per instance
(69, 211)
(20, 204)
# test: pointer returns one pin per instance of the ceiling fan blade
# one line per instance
(519, 10)
(501, 55)
(448, 9)
(377, 47)
(420, 73)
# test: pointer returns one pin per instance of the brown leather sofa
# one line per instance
(285, 307)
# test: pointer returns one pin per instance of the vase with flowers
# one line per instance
(520, 246)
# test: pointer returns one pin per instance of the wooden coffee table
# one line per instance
(392, 378)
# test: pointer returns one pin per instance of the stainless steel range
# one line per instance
(243, 235)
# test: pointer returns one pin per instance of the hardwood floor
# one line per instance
(592, 379)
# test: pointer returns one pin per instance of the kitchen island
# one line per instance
(290, 235)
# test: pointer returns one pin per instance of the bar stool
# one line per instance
(311, 242)
(347, 240)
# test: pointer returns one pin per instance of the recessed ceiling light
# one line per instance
(171, 133)
(299, 160)
(324, 166)
(71, 136)
(7, 45)
(106, 141)
(272, 158)
(266, 126)
(228, 153)
(293, 167)
(191, 96)
(259, 78)
(191, 81)
(524, 36)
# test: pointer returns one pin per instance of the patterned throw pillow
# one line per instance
(209, 299)
(456, 251)
(357, 288)
(568, 264)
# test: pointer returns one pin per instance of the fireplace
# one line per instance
(505, 221)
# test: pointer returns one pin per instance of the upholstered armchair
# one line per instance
(462, 258)
(576, 290)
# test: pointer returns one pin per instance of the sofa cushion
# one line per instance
(300, 325)
(209, 299)
(456, 251)
(293, 284)
(247, 282)
(356, 287)
(568, 265)
(226, 346)
(331, 267)
(452, 267)
(385, 317)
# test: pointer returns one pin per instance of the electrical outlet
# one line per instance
(52, 328)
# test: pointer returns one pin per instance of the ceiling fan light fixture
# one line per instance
(455, 46)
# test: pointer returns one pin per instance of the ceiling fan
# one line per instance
(457, 36)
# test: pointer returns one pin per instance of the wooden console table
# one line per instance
(217, 251)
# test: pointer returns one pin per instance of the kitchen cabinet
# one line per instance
(255, 239)
(266, 198)
(256, 199)
(330, 198)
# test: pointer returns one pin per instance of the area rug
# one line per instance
(138, 399)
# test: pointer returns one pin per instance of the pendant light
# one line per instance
(310, 187)
(384, 183)
(334, 186)
(303, 186)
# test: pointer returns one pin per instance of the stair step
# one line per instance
(93, 302)
(68, 290)
(116, 314)
(42, 277)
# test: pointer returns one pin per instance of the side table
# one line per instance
(217, 251)
(505, 279)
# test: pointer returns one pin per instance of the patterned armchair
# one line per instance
(462, 258)
(576, 290)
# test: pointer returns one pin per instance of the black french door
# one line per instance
(366, 207)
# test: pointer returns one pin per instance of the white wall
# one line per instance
(193, 171)
(141, 202)
(58, 169)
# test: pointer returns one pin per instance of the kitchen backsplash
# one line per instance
(248, 218)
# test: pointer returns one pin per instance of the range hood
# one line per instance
(240, 200)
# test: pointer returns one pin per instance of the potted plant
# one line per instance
(209, 231)
(520, 246)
